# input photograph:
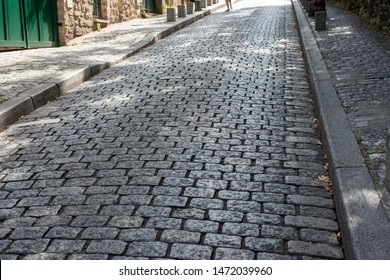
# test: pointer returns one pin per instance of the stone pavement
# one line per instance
(204, 145)
(23, 70)
(358, 59)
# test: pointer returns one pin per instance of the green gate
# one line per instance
(28, 23)
(149, 5)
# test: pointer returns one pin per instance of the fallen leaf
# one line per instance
(326, 166)
(324, 178)
(328, 188)
(318, 142)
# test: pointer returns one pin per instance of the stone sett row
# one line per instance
(201, 147)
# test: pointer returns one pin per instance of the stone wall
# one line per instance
(75, 17)
(120, 10)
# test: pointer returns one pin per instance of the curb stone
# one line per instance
(365, 227)
(12, 110)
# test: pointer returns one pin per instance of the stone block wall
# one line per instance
(120, 10)
(75, 17)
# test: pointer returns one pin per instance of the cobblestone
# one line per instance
(190, 252)
(233, 254)
(147, 249)
(317, 250)
(115, 247)
(264, 244)
(63, 232)
(241, 229)
(28, 233)
(139, 234)
(222, 240)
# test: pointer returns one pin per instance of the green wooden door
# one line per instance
(28, 23)
(149, 5)
(12, 31)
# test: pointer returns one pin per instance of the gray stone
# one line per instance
(99, 233)
(173, 201)
(115, 247)
(280, 232)
(190, 8)
(45, 256)
(28, 233)
(244, 206)
(315, 249)
(147, 249)
(309, 200)
(190, 252)
(180, 236)
(189, 213)
(206, 203)
(126, 222)
(320, 20)
(201, 226)
(270, 256)
(164, 223)
(198, 6)
(63, 232)
(264, 244)
(181, 11)
(117, 210)
(241, 229)
(139, 234)
(153, 211)
(199, 192)
(313, 235)
(28, 246)
(222, 240)
(66, 246)
(40, 211)
(89, 221)
(310, 222)
(233, 254)
(279, 209)
(225, 216)
(268, 197)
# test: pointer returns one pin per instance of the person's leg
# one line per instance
(228, 4)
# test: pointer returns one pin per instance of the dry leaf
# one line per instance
(318, 142)
(328, 188)
(324, 178)
(326, 166)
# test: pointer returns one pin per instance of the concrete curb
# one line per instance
(364, 225)
(15, 108)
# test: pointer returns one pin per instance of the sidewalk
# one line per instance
(348, 66)
(31, 78)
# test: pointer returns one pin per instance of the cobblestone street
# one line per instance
(203, 146)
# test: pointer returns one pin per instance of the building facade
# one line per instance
(78, 17)
(49, 23)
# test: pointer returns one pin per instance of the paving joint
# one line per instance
(361, 213)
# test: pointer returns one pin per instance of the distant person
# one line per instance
(229, 5)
